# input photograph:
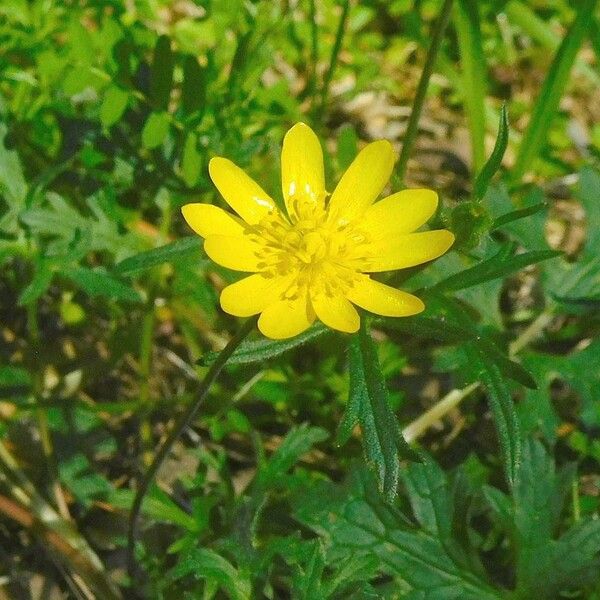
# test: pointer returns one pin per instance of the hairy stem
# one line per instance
(183, 422)
(335, 51)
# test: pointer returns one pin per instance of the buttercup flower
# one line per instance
(314, 262)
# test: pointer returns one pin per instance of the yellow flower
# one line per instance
(313, 262)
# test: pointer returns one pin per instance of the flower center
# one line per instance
(315, 252)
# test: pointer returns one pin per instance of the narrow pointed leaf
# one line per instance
(383, 443)
(264, 350)
(495, 160)
(503, 410)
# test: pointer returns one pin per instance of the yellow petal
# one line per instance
(399, 213)
(363, 181)
(252, 295)
(408, 250)
(335, 311)
(302, 174)
(239, 253)
(206, 219)
(286, 318)
(241, 192)
(382, 299)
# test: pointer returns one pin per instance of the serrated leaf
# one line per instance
(113, 105)
(503, 410)
(265, 350)
(169, 253)
(358, 521)
(546, 566)
(76, 234)
(155, 129)
(161, 79)
(495, 160)
(382, 439)
(579, 369)
(99, 283)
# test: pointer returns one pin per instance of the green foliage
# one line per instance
(294, 479)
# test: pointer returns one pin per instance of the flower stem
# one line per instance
(183, 422)
(413, 121)
(335, 51)
(314, 55)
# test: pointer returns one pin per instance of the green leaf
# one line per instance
(203, 563)
(435, 328)
(552, 90)
(500, 265)
(515, 215)
(296, 443)
(12, 180)
(76, 234)
(162, 73)
(307, 583)
(169, 253)
(382, 439)
(546, 566)
(495, 160)
(474, 74)
(450, 315)
(99, 283)
(503, 410)
(266, 350)
(580, 370)
(16, 378)
(191, 162)
(157, 505)
(113, 106)
(155, 129)
(193, 89)
(423, 560)
(42, 278)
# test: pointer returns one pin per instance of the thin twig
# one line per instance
(174, 435)
(419, 101)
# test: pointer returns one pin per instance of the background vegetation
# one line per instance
(109, 113)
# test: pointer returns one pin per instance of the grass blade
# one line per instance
(552, 91)
(474, 75)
